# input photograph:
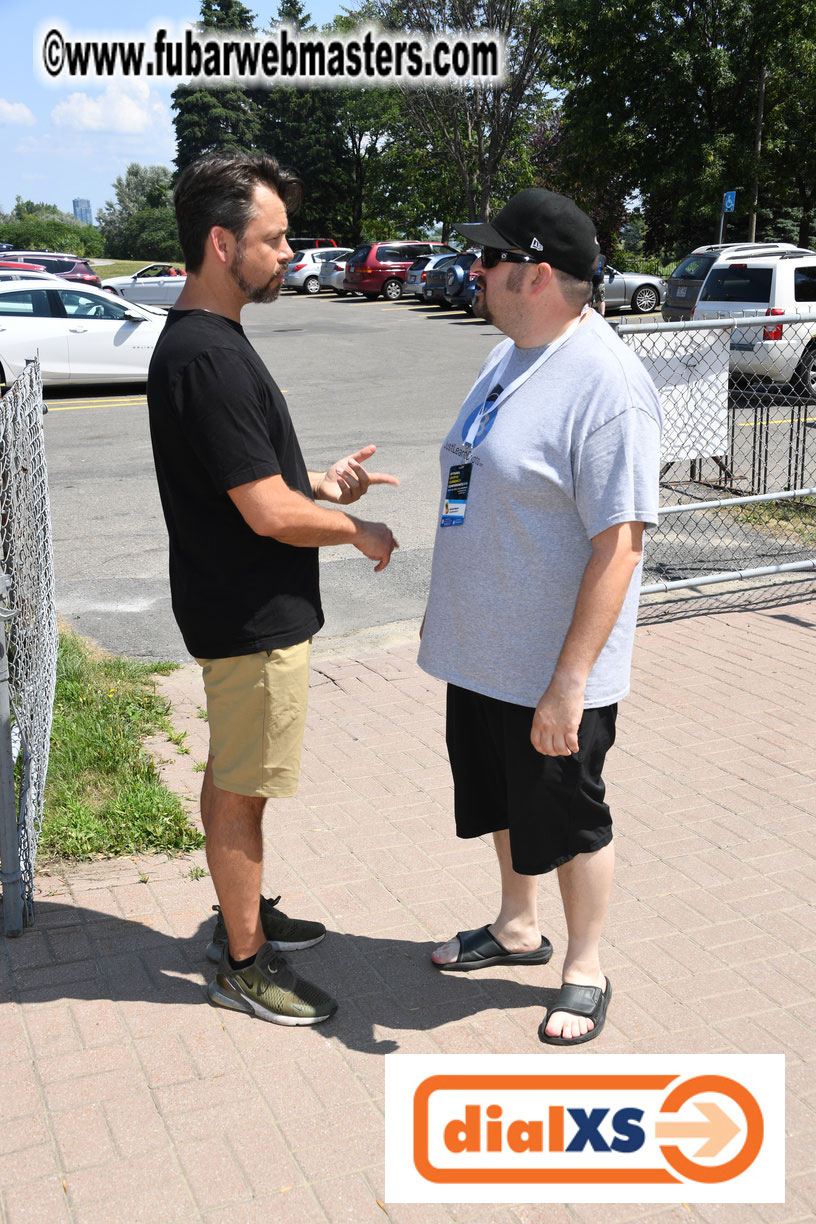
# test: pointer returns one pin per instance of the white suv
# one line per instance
(778, 283)
(686, 280)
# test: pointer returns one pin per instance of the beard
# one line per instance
(253, 293)
(480, 307)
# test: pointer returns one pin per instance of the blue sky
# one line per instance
(74, 139)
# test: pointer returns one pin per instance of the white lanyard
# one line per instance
(518, 382)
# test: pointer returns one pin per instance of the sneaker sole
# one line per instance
(219, 996)
(214, 950)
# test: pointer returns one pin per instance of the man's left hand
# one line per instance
(557, 719)
(347, 480)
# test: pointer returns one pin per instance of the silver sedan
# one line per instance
(159, 284)
(633, 290)
(332, 272)
(304, 267)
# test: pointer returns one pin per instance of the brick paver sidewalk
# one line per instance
(127, 1098)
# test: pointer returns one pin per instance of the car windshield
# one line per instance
(738, 283)
(693, 267)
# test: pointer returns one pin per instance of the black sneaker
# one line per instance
(270, 989)
(287, 934)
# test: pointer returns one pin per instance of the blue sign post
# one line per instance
(729, 201)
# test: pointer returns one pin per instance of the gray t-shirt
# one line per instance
(575, 449)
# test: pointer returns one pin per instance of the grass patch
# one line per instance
(103, 795)
(791, 517)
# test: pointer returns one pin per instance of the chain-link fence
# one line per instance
(28, 648)
(738, 476)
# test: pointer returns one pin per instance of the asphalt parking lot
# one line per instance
(353, 372)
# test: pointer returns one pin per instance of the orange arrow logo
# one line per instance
(718, 1130)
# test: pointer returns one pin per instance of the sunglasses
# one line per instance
(491, 256)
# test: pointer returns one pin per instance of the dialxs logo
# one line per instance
(585, 1128)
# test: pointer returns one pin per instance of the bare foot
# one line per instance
(564, 1024)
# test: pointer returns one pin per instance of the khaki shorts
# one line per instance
(256, 706)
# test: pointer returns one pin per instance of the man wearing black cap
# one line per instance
(549, 476)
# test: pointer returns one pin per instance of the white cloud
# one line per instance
(126, 107)
(16, 114)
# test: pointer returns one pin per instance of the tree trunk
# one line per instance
(757, 151)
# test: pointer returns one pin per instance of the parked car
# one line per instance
(7, 274)
(157, 284)
(460, 285)
(417, 274)
(380, 267)
(303, 273)
(633, 291)
(81, 334)
(71, 267)
(307, 244)
(332, 274)
(685, 282)
(435, 282)
(773, 283)
(20, 271)
(6, 246)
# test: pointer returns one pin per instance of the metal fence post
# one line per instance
(11, 875)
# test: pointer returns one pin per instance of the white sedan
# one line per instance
(79, 335)
(159, 284)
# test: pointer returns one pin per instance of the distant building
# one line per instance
(82, 211)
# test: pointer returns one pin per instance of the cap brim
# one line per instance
(479, 233)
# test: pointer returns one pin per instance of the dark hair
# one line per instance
(217, 189)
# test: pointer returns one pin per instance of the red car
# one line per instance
(379, 267)
(11, 265)
(70, 267)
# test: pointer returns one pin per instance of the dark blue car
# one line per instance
(460, 284)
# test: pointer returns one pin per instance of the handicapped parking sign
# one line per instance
(729, 200)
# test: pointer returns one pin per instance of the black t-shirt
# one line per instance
(217, 420)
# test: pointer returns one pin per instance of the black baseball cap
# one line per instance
(549, 227)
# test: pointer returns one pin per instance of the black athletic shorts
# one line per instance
(552, 806)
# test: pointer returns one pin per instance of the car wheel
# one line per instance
(342, 292)
(392, 290)
(311, 285)
(804, 380)
(371, 297)
(645, 299)
(443, 304)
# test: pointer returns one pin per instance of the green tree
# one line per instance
(479, 129)
(558, 152)
(207, 120)
(313, 131)
(787, 167)
(666, 93)
(139, 188)
(151, 234)
(26, 209)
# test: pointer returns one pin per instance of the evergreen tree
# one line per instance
(300, 127)
(207, 119)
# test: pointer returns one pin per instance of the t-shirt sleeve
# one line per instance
(222, 409)
(617, 472)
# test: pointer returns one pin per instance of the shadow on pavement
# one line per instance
(383, 984)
